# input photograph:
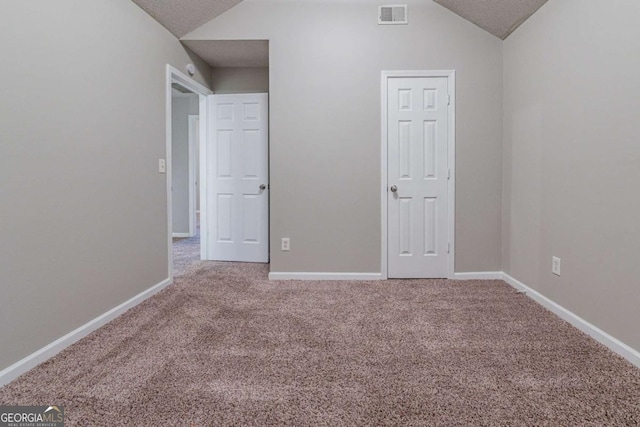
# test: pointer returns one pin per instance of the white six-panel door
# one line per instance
(237, 174)
(417, 177)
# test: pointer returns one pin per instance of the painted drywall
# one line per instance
(240, 80)
(325, 69)
(82, 126)
(572, 159)
(182, 107)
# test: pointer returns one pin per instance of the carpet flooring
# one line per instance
(225, 346)
(186, 254)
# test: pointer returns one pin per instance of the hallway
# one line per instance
(186, 252)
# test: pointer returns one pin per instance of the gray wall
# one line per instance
(82, 126)
(240, 80)
(325, 64)
(572, 159)
(182, 107)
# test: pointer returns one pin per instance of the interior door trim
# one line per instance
(451, 79)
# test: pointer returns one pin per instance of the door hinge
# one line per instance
(448, 248)
(449, 100)
(448, 174)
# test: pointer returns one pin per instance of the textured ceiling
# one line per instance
(231, 53)
(499, 17)
(183, 16)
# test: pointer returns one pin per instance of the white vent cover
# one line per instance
(392, 15)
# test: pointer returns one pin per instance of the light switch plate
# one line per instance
(555, 265)
(162, 166)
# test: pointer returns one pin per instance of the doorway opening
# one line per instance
(218, 181)
(185, 123)
(186, 104)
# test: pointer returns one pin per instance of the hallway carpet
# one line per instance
(225, 346)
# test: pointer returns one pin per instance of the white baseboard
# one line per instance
(594, 332)
(178, 235)
(20, 367)
(325, 276)
(483, 275)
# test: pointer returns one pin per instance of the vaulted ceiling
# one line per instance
(183, 16)
(499, 17)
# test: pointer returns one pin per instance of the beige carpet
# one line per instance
(224, 346)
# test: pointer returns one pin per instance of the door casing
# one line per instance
(451, 78)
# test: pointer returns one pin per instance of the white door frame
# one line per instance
(193, 119)
(451, 78)
(175, 76)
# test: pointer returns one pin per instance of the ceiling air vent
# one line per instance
(392, 15)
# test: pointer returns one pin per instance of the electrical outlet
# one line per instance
(162, 166)
(285, 244)
(555, 265)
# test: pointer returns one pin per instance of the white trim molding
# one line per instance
(325, 276)
(450, 75)
(593, 331)
(484, 275)
(180, 235)
(20, 367)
